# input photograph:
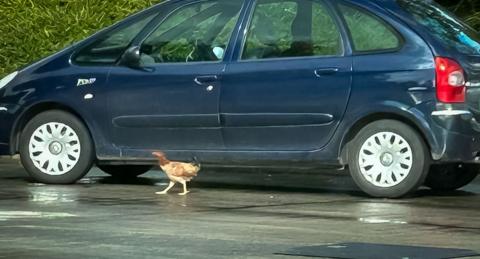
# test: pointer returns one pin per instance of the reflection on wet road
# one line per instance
(230, 213)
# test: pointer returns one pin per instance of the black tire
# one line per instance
(451, 177)
(125, 171)
(416, 172)
(85, 153)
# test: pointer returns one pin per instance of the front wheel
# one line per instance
(124, 171)
(56, 148)
(388, 159)
(451, 177)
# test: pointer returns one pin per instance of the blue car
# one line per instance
(388, 88)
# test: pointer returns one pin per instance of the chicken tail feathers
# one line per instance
(197, 163)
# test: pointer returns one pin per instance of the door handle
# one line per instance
(326, 71)
(205, 80)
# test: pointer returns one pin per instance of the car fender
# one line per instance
(39, 106)
(417, 117)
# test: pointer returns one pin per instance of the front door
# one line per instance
(172, 102)
(289, 89)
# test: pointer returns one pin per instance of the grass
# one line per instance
(32, 29)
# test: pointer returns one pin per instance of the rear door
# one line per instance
(289, 88)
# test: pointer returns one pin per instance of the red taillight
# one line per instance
(450, 81)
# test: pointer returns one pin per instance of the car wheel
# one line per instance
(388, 158)
(451, 177)
(125, 171)
(56, 148)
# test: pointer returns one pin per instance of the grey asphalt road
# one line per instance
(230, 213)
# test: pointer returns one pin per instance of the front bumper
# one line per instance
(7, 119)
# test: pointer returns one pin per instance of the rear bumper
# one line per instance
(458, 134)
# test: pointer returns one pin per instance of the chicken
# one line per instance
(177, 172)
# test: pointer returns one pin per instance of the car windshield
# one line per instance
(444, 26)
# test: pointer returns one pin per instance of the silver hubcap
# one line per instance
(385, 159)
(54, 148)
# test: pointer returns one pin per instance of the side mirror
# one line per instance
(132, 57)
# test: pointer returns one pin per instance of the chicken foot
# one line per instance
(167, 189)
(185, 192)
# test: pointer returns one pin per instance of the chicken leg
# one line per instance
(185, 192)
(170, 185)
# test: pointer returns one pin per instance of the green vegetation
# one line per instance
(32, 29)
(361, 25)
(469, 10)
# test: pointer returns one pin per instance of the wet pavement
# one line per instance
(230, 213)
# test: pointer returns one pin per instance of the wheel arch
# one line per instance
(355, 127)
(36, 109)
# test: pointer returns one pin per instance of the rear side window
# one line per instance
(443, 25)
(286, 28)
(110, 47)
(369, 33)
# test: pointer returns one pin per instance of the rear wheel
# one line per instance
(388, 159)
(56, 148)
(125, 171)
(452, 176)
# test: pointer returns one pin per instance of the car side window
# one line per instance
(291, 28)
(198, 32)
(109, 48)
(369, 33)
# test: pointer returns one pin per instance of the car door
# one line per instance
(289, 88)
(171, 102)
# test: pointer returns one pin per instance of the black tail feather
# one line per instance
(196, 162)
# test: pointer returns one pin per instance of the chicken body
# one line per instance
(177, 172)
